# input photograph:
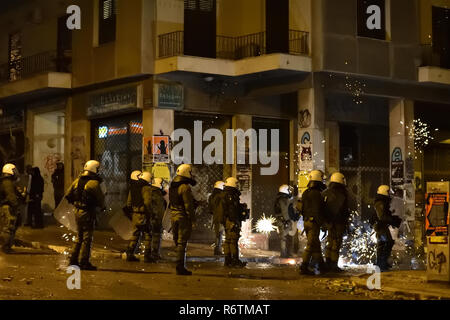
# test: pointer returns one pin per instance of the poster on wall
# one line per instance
(306, 153)
(157, 149)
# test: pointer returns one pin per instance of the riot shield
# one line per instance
(120, 222)
(65, 214)
(166, 222)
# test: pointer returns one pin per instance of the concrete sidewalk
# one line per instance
(109, 244)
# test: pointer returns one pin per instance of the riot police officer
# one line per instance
(158, 208)
(234, 213)
(215, 210)
(139, 200)
(313, 211)
(182, 209)
(283, 211)
(336, 204)
(381, 223)
(85, 194)
(9, 206)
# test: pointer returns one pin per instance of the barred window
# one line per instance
(107, 21)
(199, 5)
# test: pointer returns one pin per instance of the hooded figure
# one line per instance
(58, 183)
(36, 195)
(234, 213)
(381, 223)
(86, 195)
(215, 209)
(182, 209)
(313, 211)
(336, 204)
(139, 202)
(9, 204)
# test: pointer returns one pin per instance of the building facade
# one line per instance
(342, 95)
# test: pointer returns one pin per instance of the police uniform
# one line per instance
(233, 213)
(182, 211)
(85, 194)
(336, 203)
(139, 200)
(383, 220)
(214, 208)
(158, 205)
(283, 221)
(313, 210)
(9, 213)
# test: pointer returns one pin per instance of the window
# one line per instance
(200, 5)
(372, 19)
(107, 21)
(15, 56)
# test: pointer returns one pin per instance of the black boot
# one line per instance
(304, 270)
(236, 263)
(181, 262)
(228, 261)
(87, 266)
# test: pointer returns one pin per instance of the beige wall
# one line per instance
(426, 18)
(37, 21)
(93, 63)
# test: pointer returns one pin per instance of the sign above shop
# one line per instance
(119, 100)
(169, 96)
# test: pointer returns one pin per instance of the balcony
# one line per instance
(434, 68)
(233, 48)
(46, 70)
(230, 55)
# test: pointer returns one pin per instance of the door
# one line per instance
(117, 144)
(200, 28)
(441, 35)
(277, 26)
(64, 46)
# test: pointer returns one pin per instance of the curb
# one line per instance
(411, 294)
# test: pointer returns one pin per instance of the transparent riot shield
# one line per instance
(120, 222)
(65, 214)
(166, 222)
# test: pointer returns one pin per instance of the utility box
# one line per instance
(436, 225)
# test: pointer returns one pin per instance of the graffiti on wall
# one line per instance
(436, 261)
(78, 155)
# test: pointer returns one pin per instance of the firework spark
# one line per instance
(266, 225)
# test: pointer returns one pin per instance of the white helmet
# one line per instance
(158, 183)
(219, 185)
(135, 175)
(338, 177)
(146, 176)
(316, 175)
(285, 189)
(185, 170)
(384, 190)
(10, 169)
(92, 166)
(232, 182)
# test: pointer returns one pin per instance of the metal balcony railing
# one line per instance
(431, 58)
(171, 44)
(42, 62)
(234, 48)
(298, 42)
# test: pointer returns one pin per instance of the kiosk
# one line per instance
(436, 225)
